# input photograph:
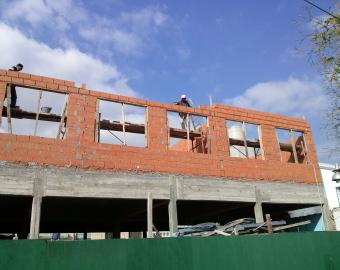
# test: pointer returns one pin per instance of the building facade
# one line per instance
(114, 162)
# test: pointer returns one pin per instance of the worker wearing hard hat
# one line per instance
(183, 116)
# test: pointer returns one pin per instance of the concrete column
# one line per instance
(35, 217)
(258, 207)
(38, 191)
(150, 215)
(172, 209)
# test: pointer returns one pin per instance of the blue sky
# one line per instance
(241, 52)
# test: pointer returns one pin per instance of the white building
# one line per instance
(332, 190)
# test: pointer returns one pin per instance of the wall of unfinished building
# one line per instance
(79, 148)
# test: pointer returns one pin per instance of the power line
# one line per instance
(330, 14)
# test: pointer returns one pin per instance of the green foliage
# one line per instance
(326, 47)
(325, 53)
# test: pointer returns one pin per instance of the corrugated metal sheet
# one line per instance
(293, 251)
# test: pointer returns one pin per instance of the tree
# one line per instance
(325, 55)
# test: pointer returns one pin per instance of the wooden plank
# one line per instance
(20, 114)
(250, 143)
(241, 143)
(157, 235)
(62, 119)
(278, 140)
(293, 146)
(284, 227)
(97, 124)
(306, 148)
(226, 226)
(208, 137)
(245, 139)
(98, 130)
(188, 132)
(140, 128)
(269, 223)
(118, 126)
(37, 116)
(123, 123)
(182, 134)
(146, 117)
(222, 233)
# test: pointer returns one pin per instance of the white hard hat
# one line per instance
(183, 96)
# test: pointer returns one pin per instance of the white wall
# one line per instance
(336, 215)
(330, 186)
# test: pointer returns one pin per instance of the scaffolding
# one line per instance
(16, 113)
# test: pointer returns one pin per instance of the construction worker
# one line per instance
(16, 68)
(183, 116)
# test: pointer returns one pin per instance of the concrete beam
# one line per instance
(70, 182)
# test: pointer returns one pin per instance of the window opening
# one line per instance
(121, 123)
(244, 140)
(292, 144)
(40, 113)
(188, 132)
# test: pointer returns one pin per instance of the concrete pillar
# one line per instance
(149, 215)
(258, 207)
(38, 192)
(172, 209)
(35, 217)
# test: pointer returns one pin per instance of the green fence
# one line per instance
(317, 250)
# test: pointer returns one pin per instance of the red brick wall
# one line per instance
(80, 149)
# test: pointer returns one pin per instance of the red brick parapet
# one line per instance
(79, 148)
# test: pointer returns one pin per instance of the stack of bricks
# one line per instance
(79, 148)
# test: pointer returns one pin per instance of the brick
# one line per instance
(69, 83)
(58, 81)
(40, 84)
(29, 82)
(36, 78)
(72, 89)
(12, 73)
(47, 80)
(79, 149)
(24, 75)
(63, 88)
(84, 91)
(51, 86)
(17, 80)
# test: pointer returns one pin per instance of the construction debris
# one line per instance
(236, 227)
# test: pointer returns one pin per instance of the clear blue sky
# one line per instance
(241, 52)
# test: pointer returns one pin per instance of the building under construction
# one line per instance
(102, 162)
